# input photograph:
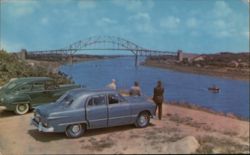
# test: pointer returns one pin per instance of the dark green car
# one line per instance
(22, 94)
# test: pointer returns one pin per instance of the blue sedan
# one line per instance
(82, 109)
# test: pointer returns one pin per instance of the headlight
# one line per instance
(37, 117)
(45, 124)
(2, 99)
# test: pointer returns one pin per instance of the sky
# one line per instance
(197, 26)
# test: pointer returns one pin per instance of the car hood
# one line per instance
(2, 93)
(46, 109)
(2, 90)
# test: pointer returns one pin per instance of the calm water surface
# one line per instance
(184, 87)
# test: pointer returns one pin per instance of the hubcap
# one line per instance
(75, 128)
(22, 107)
(143, 120)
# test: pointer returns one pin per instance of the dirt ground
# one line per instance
(214, 134)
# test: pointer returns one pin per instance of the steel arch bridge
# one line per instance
(104, 43)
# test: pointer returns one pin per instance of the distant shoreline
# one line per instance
(202, 71)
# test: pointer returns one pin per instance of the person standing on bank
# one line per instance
(135, 90)
(158, 98)
(112, 85)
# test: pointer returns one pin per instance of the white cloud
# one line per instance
(142, 22)
(192, 22)
(21, 8)
(10, 46)
(220, 24)
(222, 34)
(246, 2)
(44, 21)
(170, 22)
(108, 20)
(223, 21)
(59, 2)
(87, 4)
(221, 9)
(246, 34)
(220, 28)
(141, 17)
(135, 5)
(194, 33)
(105, 21)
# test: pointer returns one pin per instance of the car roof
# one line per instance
(34, 78)
(24, 80)
(84, 91)
(30, 79)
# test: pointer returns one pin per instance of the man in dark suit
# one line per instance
(158, 98)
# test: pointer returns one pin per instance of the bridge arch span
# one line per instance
(104, 43)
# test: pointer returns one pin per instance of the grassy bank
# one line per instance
(13, 67)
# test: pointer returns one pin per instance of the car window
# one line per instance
(115, 98)
(96, 100)
(66, 99)
(38, 86)
(11, 85)
(50, 85)
(25, 88)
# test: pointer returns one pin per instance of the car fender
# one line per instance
(22, 98)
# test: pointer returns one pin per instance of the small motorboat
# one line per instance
(214, 89)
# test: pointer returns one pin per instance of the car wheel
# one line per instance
(75, 130)
(142, 120)
(22, 108)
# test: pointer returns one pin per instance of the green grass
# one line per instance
(12, 67)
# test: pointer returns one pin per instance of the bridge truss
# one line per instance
(104, 43)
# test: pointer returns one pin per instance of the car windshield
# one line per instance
(11, 84)
(66, 99)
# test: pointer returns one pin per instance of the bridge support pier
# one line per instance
(136, 59)
(70, 59)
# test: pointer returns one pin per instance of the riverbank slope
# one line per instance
(13, 67)
(225, 65)
(181, 130)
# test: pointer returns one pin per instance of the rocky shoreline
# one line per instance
(222, 73)
(208, 110)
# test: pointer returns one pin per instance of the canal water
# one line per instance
(182, 87)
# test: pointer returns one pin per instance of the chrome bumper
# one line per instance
(40, 127)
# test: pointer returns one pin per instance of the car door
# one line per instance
(38, 94)
(97, 111)
(52, 91)
(119, 110)
(23, 92)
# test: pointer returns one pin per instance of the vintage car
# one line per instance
(22, 94)
(82, 109)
